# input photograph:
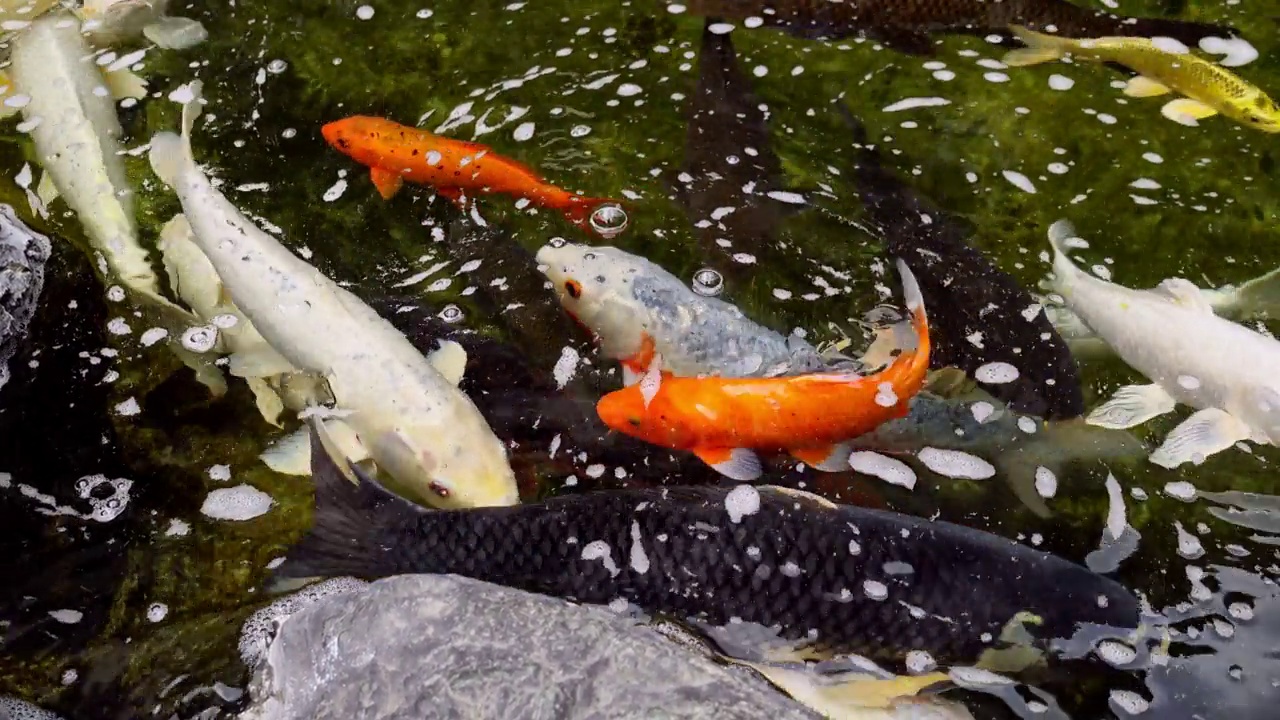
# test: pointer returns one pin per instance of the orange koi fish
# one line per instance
(395, 153)
(724, 420)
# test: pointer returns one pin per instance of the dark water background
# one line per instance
(275, 71)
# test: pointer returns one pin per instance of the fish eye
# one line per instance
(574, 288)
(438, 489)
(635, 421)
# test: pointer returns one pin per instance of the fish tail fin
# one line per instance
(1040, 48)
(1061, 233)
(171, 153)
(350, 525)
(1259, 296)
(919, 320)
(580, 208)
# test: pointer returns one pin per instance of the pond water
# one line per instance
(711, 134)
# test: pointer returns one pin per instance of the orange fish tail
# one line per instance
(911, 368)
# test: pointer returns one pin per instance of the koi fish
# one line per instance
(1163, 67)
(906, 25)
(639, 312)
(395, 153)
(405, 410)
(1171, 335)
(723, 420)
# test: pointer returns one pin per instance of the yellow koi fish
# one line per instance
(1163, 65)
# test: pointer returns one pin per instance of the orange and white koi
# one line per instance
(395, 153)
(725, 420)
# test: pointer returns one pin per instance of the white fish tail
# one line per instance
(1061, 233)
(170, 153)
(1259, 296)
(1040, 48)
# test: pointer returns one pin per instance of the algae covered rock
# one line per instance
(442, 646)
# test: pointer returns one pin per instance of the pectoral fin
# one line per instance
(1204, 433)
(848, 695)
(1186, 111)
(387, 182)
(259, 361)
(734, 463)
(450, 360)
(827, 458)
(1184, 293)
(1140, 86)
(268, 400)
(1132, 405)
(808, 498)
(46, 190)
(124, 83)
(175, 33)
(291, 454)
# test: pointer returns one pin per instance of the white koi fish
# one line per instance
(406, 410)
(1259, 297)
(1229, 373)
(77, 140)
(638, 311)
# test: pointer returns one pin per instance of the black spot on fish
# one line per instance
(415, 152)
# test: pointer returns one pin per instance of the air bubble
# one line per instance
(200, 339)
(609, 220)
(451, 313)
(277, 66)
(708, 282)
(557, 242)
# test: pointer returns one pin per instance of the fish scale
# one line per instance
(699, 564)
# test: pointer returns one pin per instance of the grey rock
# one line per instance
(23, 253)
(430, 646)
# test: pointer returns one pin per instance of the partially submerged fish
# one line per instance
(981, 316)
(639, 312)
(1228, 372)
(1163, 67)
(77, 140)
(1259, 297)
(395, 153)
(724, 420)
(405, 410)
(1026, 451)
(905, 25)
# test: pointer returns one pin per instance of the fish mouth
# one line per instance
(332, 132)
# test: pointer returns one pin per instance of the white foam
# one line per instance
(67, 617)
(157, 612)
(566, 367)
(890, 470)
(741, 501)
(1061, 82)
(1181, 490)
(600, 550)
(1019, 181)
(982, 410)
(1130, 701)
(996, 373)
(1116, 653)
(1115, 510)
(917, 102)
(956, 464)
(242, 502)
(1170, 45)
(919, 661)
(260, 628)
(1189, 546)
(220, 473)
(1237, 51)
(1046, 482)
(875, 589)
(639, 558)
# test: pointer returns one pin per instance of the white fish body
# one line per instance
(1229, 373)
(637, 310)
(413, 421)
(77, 139)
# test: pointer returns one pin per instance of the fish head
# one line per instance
(654, 420)
(1261, 113)
(351, 136)
(444, 475)
(595, 286)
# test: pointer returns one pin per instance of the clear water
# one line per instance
(598, 96)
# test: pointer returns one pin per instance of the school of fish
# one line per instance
(400, 435)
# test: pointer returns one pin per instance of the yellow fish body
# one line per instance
(1208, 88)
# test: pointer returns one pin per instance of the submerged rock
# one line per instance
(442, 646)
(23, 253)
